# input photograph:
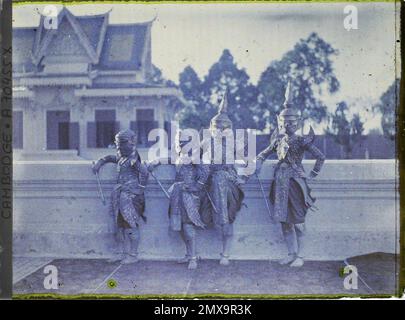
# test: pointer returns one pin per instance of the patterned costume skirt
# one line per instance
(184, 207)
(298, 200)
(127, 207)
(227, 198)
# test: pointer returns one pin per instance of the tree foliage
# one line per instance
(309, 68)
(204, 95)
(387, 107)
(308, 65)
(156, 78)
(194, 114)
(344, 132)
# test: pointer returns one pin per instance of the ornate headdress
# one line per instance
(181, 139)
(178, 142)
(289, 112)
(221, 119)
(125, 136)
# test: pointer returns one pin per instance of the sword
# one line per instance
(100, 190)
(160, 185)
(264, 195)
(210, 200)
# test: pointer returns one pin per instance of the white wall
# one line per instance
(58, 213)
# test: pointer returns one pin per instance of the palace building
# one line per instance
(75, 85)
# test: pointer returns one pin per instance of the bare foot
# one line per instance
(129, 259)
(116, 258)
(297, 263)
(192, 264)
(224, 261)
(185, 259)
(288, 259)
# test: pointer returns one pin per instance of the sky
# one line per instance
(259, 33)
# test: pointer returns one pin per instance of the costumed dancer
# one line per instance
(225, 196)
(185, 199)
(290, 194)
(127, 204)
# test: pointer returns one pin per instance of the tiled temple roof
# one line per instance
(95, 28)
(23, 45)
(132, 39)
(109, 47)
(98, 59)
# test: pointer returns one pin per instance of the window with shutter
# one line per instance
(145, 122)
(57, 130)
(74, 135)
(106, 128)
(91, 135)
(18, 129)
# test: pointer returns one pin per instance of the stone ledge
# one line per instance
(58, 212)
(333, 170)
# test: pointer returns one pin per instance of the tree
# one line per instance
(190, 85)
(205, 95)
(156, 78)
(387, 107)
(309, 68)
(344, 132)
(242, 95)
(192, 115)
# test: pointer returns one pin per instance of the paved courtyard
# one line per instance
(377, 275)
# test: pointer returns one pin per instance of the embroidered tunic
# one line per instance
(127, 203)
(225, 193)
(185, 195)
(289, 193)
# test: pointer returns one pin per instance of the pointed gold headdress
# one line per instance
(221, 119)
(288, 113)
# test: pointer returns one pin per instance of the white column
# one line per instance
(125, 114)
(160, 112)
(34, 128)
(81, 115)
